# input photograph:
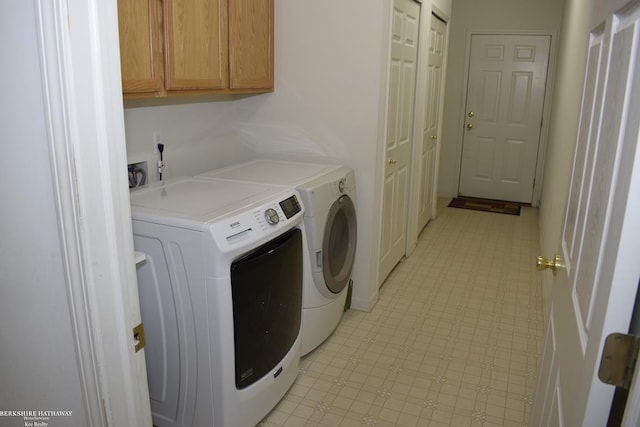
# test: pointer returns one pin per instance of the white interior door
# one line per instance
(593, 297)
(402, 77)
(505, 100)
(431, 131)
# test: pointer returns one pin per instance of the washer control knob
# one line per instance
(341, 185)
(271, 216)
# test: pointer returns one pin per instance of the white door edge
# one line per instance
(632, 411)
(436, 172)
(418, 107)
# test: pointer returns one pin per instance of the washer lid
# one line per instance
(197, 200)
(274, 172)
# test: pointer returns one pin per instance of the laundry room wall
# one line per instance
(329, 69)
(325, 107)
(469, 16)
(197, 133)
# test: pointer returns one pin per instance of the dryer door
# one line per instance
(339, 244)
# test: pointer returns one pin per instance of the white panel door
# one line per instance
(404, 52)
(505, 100)
(431, 131)
(593, 296)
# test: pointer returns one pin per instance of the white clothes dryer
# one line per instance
(221, 298)
(328, 195)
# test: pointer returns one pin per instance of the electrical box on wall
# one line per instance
(137, 174)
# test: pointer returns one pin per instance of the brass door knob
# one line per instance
(470, 126)
(434, 137)
(552, 264)
(392, 161)
(471, 114)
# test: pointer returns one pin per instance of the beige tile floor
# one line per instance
(454, 339)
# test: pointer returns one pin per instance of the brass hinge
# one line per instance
(619, 357)
(138, 336)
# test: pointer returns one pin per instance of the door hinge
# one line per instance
(619, 357)
(138, 336)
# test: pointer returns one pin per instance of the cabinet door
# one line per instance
(251, 44)
(140, 29)
(196, 51)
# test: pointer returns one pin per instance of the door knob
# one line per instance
(392, 161)
(471, 114)
(552, 264)
(469, 125)
(434, 137)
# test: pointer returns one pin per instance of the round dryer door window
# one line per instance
(339, 244)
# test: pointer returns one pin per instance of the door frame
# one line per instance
(83, 110)
(544, 131)
(443, 9)
(418, 124)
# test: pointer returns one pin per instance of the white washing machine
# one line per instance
(328, 194)
(221, 298)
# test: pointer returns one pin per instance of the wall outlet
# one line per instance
(156, 140)
(137, 173)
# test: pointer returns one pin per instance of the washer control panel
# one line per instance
(290, 206)
(254, 224)
(271, 216)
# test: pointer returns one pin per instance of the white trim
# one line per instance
(53, 66)
(544, 131)
(546, 117)
(378, 196)
(81, 84)
(428, 8)
(443, 85)
(419, 99)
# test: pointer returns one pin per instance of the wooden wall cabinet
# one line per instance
(191, 47)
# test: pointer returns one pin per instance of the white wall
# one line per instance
(474, 15)
(328, 60)
(326, 104)
(38, 364)
(197, 133)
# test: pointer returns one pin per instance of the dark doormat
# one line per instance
(496, 206)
